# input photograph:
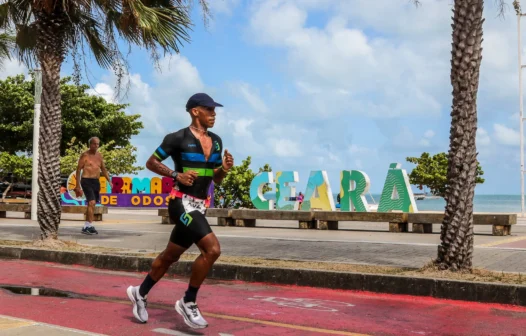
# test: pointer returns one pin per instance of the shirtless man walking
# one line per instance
(91, 163)
(196, 153)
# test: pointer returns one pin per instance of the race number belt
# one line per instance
(191, 203)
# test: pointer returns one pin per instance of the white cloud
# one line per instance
(505, 135)
(429, 134)
(12, 68)
(161, 104)
(357, 149)
(103, 90)
(177, 73)
(379, 77)
(483, 138)
(286, 148)
(424, 143)
(358, 163)
(241, 126)
(368, 86)
(223, 6)
(250, 95)
(514, 117)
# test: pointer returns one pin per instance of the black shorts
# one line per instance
(189, 227)
(91, 188)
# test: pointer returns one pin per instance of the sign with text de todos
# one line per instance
(128, 192)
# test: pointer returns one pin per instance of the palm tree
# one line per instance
(48, 30)
(456, 249)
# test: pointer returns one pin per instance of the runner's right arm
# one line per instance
(168, 147)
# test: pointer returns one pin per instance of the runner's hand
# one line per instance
(228, 160)
(187, 178)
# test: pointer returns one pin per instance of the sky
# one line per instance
(328, 85)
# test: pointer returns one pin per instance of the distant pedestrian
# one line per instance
(300, 199)
(91, 163)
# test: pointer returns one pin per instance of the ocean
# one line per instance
(481, 203)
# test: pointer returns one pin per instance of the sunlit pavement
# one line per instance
(357, 243)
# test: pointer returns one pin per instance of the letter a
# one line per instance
(318, 194)
(397, 193)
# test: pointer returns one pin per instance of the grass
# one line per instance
(428, 271)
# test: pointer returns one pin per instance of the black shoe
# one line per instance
(92, 230)
(86, 230)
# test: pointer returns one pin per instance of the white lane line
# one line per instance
(37, 323)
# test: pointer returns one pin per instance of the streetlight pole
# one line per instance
(36, 136)
(518, 11)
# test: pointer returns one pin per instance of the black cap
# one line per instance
(201, 99)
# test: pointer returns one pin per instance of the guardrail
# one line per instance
(328, 220)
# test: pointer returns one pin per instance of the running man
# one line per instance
(196, 153)
(91, 163)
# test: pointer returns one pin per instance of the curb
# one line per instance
(390, 284)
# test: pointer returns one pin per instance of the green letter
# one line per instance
(318, 194)
(397, 193)
(284, 192)
(354, 185)
(256, 191)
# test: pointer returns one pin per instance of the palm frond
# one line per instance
(4, 15)
(26, 40)
(156, 25)
(7, 43)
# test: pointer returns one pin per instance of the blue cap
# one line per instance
(201, 99)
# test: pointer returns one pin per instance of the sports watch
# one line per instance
(174, 174)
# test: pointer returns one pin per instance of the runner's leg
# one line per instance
(160, 265)
(180, 241)
(210, 252)
(207, 242)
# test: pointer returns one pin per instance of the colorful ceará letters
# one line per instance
(397, 194)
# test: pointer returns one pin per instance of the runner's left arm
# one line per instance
(225, 164)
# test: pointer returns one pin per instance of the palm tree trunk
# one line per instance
(51, 47)
(456, 249)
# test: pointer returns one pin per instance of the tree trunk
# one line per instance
(51, 50)
(456, 249)
(6, 191)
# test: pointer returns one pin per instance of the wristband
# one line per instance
(223, 169)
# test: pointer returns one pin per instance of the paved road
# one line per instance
(100, 305)
(141, 231)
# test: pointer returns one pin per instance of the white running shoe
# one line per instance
(139, 304)
(191, 314)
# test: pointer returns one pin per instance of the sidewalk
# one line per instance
(141, 232)
(10, 326)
